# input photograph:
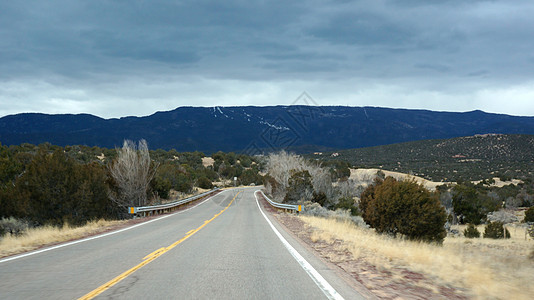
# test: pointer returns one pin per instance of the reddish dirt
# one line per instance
(379, 282)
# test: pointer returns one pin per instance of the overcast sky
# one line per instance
(119, 58)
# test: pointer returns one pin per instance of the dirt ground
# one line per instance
(363, 175)
(207, 161)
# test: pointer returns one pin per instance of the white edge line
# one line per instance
(99, 236)
(319, 280)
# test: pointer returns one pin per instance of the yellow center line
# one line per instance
(150, 257)
(155, 253)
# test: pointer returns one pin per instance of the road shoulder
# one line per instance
(343, 282)
(370, 280)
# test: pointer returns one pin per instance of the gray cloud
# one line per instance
(136, 57)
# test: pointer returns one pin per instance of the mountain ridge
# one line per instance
(257, 129)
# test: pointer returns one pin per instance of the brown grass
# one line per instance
(207, 161)
(484, 268)
(41, 236)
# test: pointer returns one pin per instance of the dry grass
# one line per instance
(175, 196)
(36, 237)
(207, 161)
(367, 176)
(485, 268)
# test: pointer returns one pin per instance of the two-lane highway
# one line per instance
(223, 248)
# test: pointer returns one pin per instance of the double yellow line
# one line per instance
(150, 257)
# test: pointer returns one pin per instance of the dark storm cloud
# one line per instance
(95, 31)
(364, 29)
(89, 54)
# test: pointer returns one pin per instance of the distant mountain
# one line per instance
(256, 129)
(467, 158)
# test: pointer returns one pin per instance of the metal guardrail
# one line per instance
(293, 207)
(167, 206)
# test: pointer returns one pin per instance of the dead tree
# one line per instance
(281, 165)
(132, 172)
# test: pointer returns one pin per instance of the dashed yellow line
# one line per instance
(149, 258)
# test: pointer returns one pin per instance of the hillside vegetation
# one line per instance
(51, 185)
(453, 240)
(465, 158)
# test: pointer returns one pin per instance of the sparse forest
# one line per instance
(293, 179)
(458, 159)
(394, 216)
(47, 184)
(468, 167)
(51, 185)
(325, 186)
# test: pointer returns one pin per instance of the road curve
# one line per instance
(223, 248)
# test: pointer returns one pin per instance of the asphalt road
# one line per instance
(223, 248)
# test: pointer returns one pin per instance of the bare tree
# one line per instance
(132, 172)
(349, 189)
(279, 166)
(282, 164)
(321, 179)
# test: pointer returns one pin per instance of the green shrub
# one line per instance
(404, 207)
(250, 176)
(347, 203)
(161, 186)
(496, 230)
(204, 183)
(300, 187)
(529, 215)
(530, 231)
(184, 186)
(13, 226)
(471, 232)
(470, 205)
(320, 198)
(56, 189)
